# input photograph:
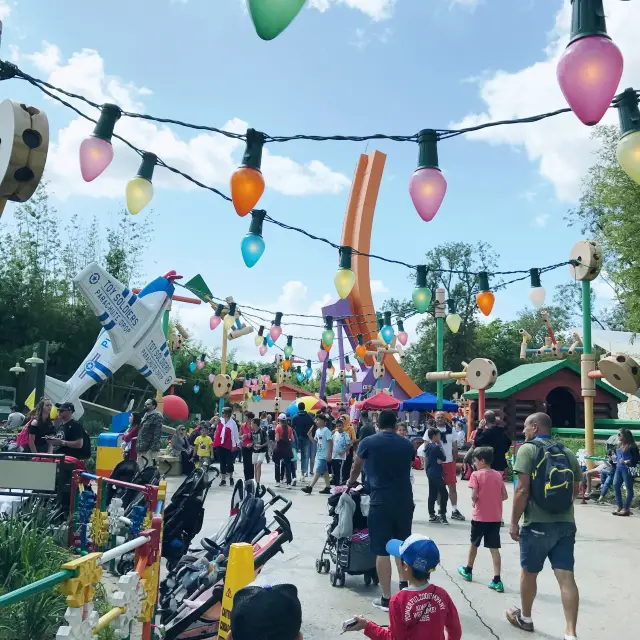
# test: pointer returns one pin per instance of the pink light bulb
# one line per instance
(403, 336)
(322, 355)
(263, 349)
(96, 155)
(589, 72)
(348, 367)
(267, 378)
(200, 364)
(275, 332)
(214, 322)
(427, 188)
(211, 378)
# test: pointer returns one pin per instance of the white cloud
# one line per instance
(210, 158)
(5, 10)
(375, 9)
(542, 220)
(603, 290)
(377, 286)
(561, 146)
(469, 4)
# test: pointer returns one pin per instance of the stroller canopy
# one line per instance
(427, 402)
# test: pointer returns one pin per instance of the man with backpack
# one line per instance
(549, 479)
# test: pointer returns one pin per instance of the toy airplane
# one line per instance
(132, 334)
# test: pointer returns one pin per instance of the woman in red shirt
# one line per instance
(131, 436)
(283, 451)
(246, 440)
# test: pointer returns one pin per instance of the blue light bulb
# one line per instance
(252, 248)
(196, 388)
(300, 377)
(270, 342)
(192, 367)
(387, 333)
(308, 372)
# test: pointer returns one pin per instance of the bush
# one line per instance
(28, 552)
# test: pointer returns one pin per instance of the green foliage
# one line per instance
(609, 211)
(28, 553)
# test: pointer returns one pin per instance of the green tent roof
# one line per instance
(527, 374)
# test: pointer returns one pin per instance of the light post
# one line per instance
(440, 315)
(39, 361)
(17, 370)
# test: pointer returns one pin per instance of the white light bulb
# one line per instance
(537, 296)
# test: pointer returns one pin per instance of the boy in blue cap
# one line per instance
(421, 610)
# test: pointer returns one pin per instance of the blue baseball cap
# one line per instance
(419, 552)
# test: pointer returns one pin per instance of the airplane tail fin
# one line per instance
(60, 391)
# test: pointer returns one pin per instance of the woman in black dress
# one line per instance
(41, 426)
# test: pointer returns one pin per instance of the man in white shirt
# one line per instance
(450, 446)
(226, 443)
(15, 418)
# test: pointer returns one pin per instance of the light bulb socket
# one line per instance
(148, 164)
(428, 145)
(289, 341)
(278, 319)
(360, 339)
(264, 342)
(257, 218)
(235, 366)
(346, 360)
(483, 281)
(298, 370)
(387, 318)
(628, 112)
(328, 322)
(329, 364)
(451, 304)
(421, 276)
(109, 115)
(219, 310)
(400, 325)
(252, 158)
(380, 322)
(587, 19)
(261, 330)
(309, 364)
(535, 277)
(232, 308)
(344, 261)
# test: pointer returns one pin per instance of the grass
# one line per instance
(575, 444)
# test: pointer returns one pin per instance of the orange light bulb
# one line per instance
(324, 346)
(286, 364)
(247, 187)
(485, 300)
(361, 351)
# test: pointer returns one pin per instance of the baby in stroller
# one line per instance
(347, 542)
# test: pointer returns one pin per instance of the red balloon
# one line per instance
(175, 408)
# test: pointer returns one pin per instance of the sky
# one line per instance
(351, 67)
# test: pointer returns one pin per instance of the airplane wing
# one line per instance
(117, 308)
(152, 359)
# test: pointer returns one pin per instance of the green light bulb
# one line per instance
(421, 298)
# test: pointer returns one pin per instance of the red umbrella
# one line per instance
(381, 401)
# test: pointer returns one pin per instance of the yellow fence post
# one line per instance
(240, 573)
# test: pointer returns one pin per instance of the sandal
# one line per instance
(617, 513)
(515, 618)
(625, 512)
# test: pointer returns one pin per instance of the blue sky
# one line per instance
(343, 67)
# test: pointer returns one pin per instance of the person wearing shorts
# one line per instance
(487, 495)
(543, 534)
(450, 447)
(324, 450)
(389, 458)
(259, 440)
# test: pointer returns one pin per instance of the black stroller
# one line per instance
(350, 555)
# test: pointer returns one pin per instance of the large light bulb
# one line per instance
(214, 322)
(628, 152)
(421, 299)
(252, 248)
(327, 337)
(96, 152)
(139, 194)
(344, 281)
(537, 296)
(247, 183)
(271, 18)
(485, 301)
(453, 321)
(427, 188)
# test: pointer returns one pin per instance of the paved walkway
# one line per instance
(607, 555)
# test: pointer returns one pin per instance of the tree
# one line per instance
(609, 211)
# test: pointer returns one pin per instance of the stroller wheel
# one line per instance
(341, 577)
(375, 579)
(367, 579)
(326, 565)
(319, 566)
(333, 578)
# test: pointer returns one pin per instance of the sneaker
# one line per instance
(456, 515)
(293, 484)
(496, 586)
(325, 491)
(434, 518)
(223, 483)
(403, 584)
(307, 490)
(381, 603)
(278, 485)
(443, 520)
(467, 575)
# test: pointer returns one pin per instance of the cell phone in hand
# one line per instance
(349, 624)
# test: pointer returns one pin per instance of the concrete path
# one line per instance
(607, 559)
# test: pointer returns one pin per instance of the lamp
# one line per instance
(536, 293)
(485, 298)
(247, 183)
(34, 360)
(139, 191)
(344, 278)
(96, 151)
(628, 149)
(427, 186)
(421, 294)
(453, 320)
(252, 245)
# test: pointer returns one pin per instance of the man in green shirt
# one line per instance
(544, 533)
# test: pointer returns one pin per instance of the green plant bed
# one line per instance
(575, 444)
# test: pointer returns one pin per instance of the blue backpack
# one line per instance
(552, 478)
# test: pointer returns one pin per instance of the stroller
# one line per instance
(192, 592)
(184, 515)
(351, 554)
(128, 471)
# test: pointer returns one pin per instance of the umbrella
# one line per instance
(311, 405)
(381, 401)
(427, 402)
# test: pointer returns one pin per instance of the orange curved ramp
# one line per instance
(356, 233)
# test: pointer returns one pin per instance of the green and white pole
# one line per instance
(440, 313)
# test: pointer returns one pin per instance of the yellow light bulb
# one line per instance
(228, 321)
(344, 281)
(139, 194)
(628, 152)
(453, 321)
(258, 340)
